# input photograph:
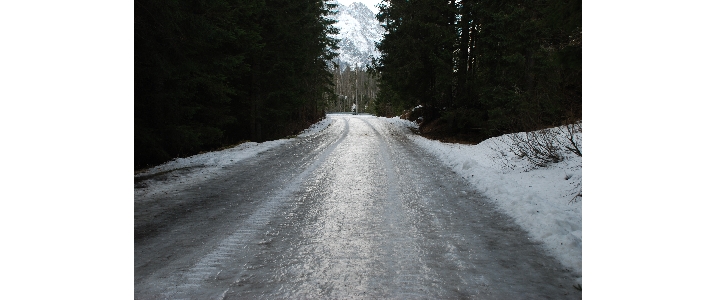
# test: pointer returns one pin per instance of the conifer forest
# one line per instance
(213, 73)
(481, 68)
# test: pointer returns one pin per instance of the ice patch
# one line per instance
(184, 172)
(536, 197)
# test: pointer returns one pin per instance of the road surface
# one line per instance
(355, 211)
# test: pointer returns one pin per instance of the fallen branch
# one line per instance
(575, 198)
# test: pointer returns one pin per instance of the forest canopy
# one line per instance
(211, 73)
(481, 67)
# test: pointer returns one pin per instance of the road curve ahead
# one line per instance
(355, 211)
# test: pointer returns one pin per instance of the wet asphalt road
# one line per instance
(356, 211)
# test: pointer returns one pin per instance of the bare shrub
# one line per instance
(573, 140)
(539, 147)
(500, 157)
(546, 146)
(575, 198)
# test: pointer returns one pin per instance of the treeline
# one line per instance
(211, 73)
(350, 87)
(481, 67)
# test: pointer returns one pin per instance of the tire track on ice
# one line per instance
(238, 248)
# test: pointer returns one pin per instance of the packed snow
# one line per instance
(544, 201)
(198, 168)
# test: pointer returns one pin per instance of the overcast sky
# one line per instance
(369, 3)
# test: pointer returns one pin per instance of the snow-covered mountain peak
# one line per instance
(359, 30)
(358, 9)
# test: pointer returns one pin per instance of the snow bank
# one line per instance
(396, 121)
(536, 197)
(198, 168)
(317, 127)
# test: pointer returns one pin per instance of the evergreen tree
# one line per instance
(416, 63)
(482, 67)
(213, 72)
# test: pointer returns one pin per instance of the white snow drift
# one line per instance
(200, 167)
(542, 200)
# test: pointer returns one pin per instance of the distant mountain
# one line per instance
(358, 30)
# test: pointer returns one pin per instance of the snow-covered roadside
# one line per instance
(198, 168)
(537, 197)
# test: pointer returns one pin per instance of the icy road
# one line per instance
(354, 211)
